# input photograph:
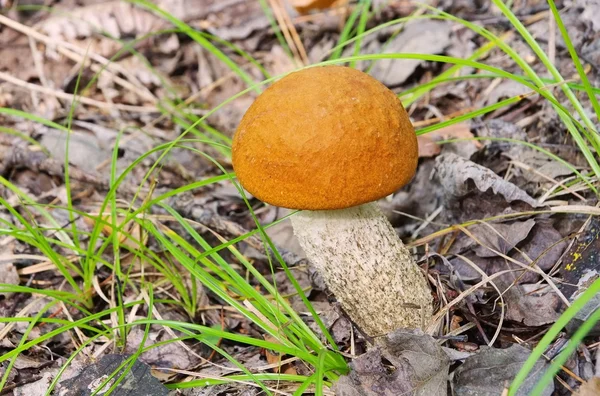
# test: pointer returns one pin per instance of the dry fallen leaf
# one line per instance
(488, 372)
(419, 368)
(422, 37)
(500, 236)
(38, 387)
(138, 380)
(455, 172)
(471, 191)
(132, 234)
(304, 6)
(275, 358)
(532, 305)
(541, 243)
(428, 146)
(589, 388)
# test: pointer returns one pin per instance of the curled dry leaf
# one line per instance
(119, 19)
(455, 172)
(472, 191)
(115, 18)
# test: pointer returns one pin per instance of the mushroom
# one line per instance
(331, 141)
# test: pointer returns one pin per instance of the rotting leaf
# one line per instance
(540, 162)
(172, 354)
(403, 363)
(543, 246)
(38, 387)
(489, 372)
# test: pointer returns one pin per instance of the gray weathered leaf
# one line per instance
(488, 372)
(500, 236)
(420, 368)
(455, 172)
(532, 305)
(424, 37)
(137, 382)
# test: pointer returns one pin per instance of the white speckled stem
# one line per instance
(366, 266)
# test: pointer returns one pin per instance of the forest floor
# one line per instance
(116, 242)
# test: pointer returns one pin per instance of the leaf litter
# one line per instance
(469, 211)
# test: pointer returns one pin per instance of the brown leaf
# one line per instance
(532, 308)
(304, 6)
(589, 388)
(427, 143)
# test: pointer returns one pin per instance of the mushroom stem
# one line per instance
(366, 266)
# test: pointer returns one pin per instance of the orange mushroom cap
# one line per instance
(325, 138)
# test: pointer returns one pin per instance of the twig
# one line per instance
(38, 161)
(79, 55)
(63, 95)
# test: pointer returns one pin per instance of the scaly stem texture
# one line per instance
(366, 266)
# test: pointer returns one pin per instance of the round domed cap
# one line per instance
(324, 138)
